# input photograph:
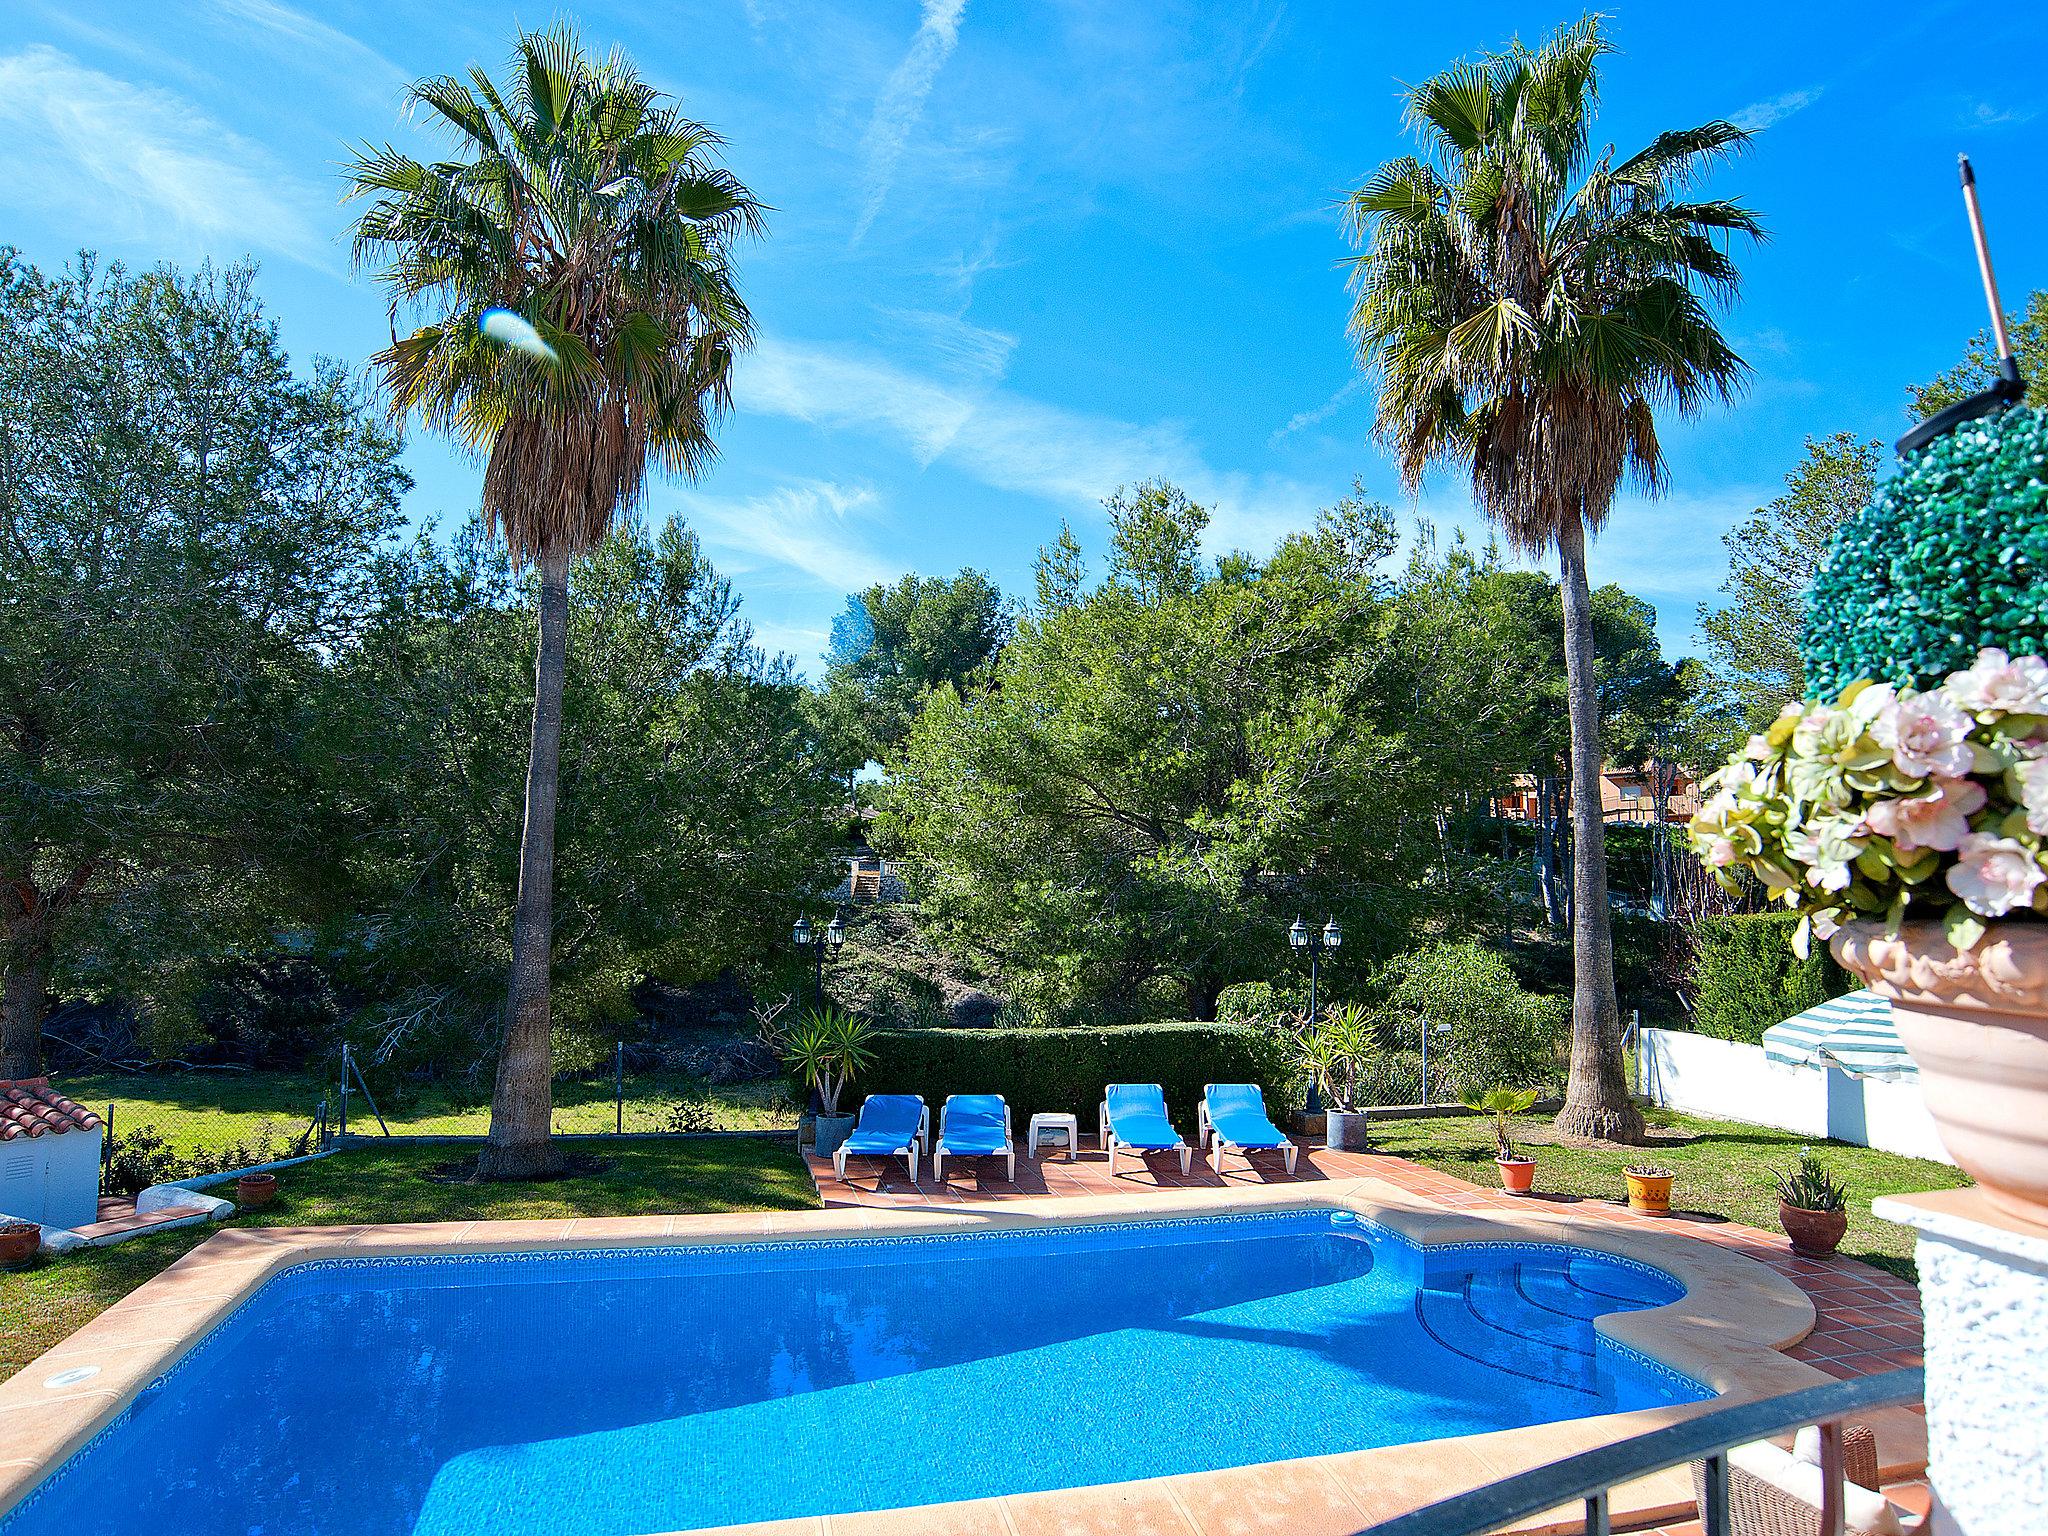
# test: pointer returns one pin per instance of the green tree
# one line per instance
(1979, 367)
(896, 642)
(584, 201)
(1529, 309)
(185, 527)
(1752, 637)
(1166, 765)
(694, 799)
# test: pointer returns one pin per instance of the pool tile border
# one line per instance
(1729, 1332)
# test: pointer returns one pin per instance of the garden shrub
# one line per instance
(1950, 556)
(1259, 1002)
(139, 1158)
(1501, 1035)
(1052, 1070)
(1746, 978)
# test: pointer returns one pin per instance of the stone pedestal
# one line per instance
(1984, 1295)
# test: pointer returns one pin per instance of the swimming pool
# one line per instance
(661, 1389)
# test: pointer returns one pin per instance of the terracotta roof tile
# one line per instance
(30, 1107)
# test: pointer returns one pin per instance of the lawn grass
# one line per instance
(1723, 1168)
(223, 1109)
(44, 1304)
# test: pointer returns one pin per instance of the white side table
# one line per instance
(1041, 1125)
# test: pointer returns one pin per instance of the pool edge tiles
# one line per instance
(1726, 1332)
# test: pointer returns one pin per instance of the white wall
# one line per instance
(1732, 1081)
(53, 1180)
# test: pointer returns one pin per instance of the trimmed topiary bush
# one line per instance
(1746, 977)
(1048, 1070)
(1950, 556)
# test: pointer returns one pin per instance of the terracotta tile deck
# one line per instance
(117, 1216)
(1869, 1320)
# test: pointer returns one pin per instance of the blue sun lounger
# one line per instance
(1234, 1119)
(1134, 1119)
(890, 1125)
(973, 1125)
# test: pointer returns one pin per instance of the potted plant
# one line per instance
(20, 1241)
(1649, 1188)
(1336, 1054)
(1812, 1207)
(1517, 1169)
(255, 1189)
(1903, 810)
(825, 1050)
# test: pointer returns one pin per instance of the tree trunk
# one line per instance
(22, 1001)
(1596, 1100)
(522, 1101)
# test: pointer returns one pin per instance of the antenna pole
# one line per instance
(1998, 329)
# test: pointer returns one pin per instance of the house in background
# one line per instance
(1626, 795)
(49, 1156)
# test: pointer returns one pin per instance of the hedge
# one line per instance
(1052, 1070)
(1746, 977)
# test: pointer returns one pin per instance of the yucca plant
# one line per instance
(1530, 306)
(584, 202)
(1338, 1052)
(826, 1050)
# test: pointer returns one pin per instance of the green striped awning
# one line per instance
(1853, 1032)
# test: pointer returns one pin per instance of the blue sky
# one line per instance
(1024, 252)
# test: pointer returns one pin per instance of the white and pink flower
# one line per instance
(2034, 794)
(1928, 734)
(1999, 684)
(1939, 818)
(1995, 875)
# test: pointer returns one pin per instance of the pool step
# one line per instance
(1531, 1320)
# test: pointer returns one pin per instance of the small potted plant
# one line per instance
(1812, 1207)
(255, 1189)
(825, 1050)
(1517, 1169)
(1649, 1189)
(1336, 1054)
(19, 1243)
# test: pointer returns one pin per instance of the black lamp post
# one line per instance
(818, 942)
(1301, 937)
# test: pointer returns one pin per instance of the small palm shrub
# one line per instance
(1338, 1052)
(1503, 1104)
(826, 1049)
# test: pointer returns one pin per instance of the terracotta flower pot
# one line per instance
(1976, 1025)
(1816, 1234)
(1649, 1193)
(254, 1189)
(1517, 1174)
(19, 1243)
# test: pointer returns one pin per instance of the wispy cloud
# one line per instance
(954, 342)
(1985, 114)
(1012, 442)
(807, 526)
(313, 44)
(1762, 114)
(901, 104)
(965, 269)
(1316, 415)
(146, 158)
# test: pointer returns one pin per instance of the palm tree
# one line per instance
(1529, 309)
(583, 201)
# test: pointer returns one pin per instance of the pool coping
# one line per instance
(1728, 1332)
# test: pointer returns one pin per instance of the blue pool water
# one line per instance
(660, 1390)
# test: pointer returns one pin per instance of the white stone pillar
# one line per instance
(1984, 1297)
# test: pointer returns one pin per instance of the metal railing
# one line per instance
(1591, 1475)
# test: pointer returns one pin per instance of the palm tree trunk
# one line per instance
(1596, 1100)
(522, 1102)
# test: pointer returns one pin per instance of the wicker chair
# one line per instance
(1758, 1506)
